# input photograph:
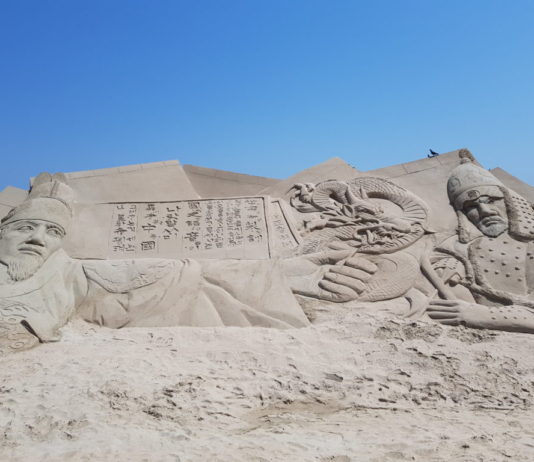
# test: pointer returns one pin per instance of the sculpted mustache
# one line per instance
(491, 220)
(31, 248)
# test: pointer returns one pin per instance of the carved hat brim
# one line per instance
(41, 208)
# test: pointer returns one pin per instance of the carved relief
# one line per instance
(284, 236)
(155, 292)
(15, 333)
(376, 221)
(188, 227)
(362, 240)
(487, 269)
(250, 227)
(370, 215)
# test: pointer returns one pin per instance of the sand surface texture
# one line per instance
(353, 387)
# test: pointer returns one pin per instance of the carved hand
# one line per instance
(331, 275)
(459, 312)
(512, 318)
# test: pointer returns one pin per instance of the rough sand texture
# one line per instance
(353, 387)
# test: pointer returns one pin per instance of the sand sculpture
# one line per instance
(255, 260)
(42, 288)
(378, 221)
(487, 266)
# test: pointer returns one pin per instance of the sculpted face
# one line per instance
(486, 209)
(26, 244)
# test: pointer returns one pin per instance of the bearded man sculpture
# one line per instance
(41, 287)
(488, 267)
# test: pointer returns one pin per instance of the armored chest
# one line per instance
(503, 264)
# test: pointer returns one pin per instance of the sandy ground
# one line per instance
(353, 387)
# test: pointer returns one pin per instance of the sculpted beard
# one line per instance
(493, 228)
(23, 266)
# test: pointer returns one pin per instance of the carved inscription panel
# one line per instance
(254, 227)
(233, 228)
(284, 236)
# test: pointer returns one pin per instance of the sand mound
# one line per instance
(353, 387)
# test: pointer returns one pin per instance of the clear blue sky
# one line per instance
(264, 87)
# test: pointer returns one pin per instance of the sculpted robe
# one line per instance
(151, 293)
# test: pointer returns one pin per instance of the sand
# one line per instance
(355, 386)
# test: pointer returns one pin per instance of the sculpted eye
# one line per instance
(54, 232)
(25, 228)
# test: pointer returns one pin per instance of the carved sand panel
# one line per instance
(370, 215)
(285, 237)
(240, 227)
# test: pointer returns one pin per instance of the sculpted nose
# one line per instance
(484, 210)
(37, 237)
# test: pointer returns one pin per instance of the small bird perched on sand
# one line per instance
(433, 153)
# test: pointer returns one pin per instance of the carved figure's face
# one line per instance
(26, 244)
(487, 210)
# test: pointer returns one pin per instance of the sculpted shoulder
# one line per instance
(119, 276)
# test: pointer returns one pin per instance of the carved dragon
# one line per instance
(349, 214)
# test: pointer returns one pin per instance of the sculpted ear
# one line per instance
(467, 231)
